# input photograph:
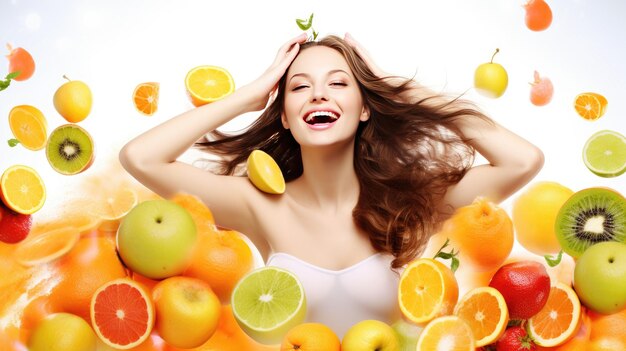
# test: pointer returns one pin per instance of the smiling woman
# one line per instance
(373, 164)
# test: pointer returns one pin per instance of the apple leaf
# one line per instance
(4, 83)
(452, 256)
(13, 142)
(554, 261)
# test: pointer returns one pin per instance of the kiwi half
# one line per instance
(70, 149)
(591, 216)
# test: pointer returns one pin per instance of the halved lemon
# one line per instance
(264, 173)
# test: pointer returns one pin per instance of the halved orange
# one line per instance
(122, 313)
(22, 189)
(485, 311)
(590, 106)
(558, 319)
(206, 84)
(449, 333)
(47, 246)
(427, 289)
(146, 98)
(113, 206)
(29, 126)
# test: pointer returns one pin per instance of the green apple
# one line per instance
(370, 335)
(187, 311)
(407, 334)
(156, 239)
(600, 277)
(491, 79)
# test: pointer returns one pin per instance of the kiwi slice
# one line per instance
(70, 149)
(591, 216)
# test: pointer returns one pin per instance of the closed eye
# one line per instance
(300, 87)
(339, 83)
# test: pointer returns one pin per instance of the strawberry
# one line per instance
(525, 286)
(14, 227)
(515, 339)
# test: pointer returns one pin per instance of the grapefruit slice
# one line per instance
(122, 313)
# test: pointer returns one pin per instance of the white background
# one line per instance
(114, 45)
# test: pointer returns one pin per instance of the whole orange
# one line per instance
(608, 331)
(482, 232)
(311, 337)
(221, 258)
(90, 264)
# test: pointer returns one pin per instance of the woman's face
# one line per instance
(323, 104)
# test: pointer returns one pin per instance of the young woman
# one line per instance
(373, 164)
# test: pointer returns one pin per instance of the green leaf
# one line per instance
(7, 80)
(315, 34)
(454, 265)
(552, 261)
(13, 142)
(305, 24)
(13, 75)
(452, 256)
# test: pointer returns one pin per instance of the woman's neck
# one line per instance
(328, 180)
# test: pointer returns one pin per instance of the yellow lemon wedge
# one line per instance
(264, 173)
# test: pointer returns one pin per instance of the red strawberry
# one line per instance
(14, 227)
(525, 286)
(515, 339)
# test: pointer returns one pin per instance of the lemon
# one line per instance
(604, 153)
(264, 173)
(267, 303)
(62, 332)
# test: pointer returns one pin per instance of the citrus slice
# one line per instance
(22, 189)
(29, 126)
(114, 206)
(604, 153)
(427, 289)
(47, 246)
(449, 333)
(80, 221)
(485, 311)
(267, 303)
(590, 106)
(146, 98)
(558, 319)
(206, 84)
(264, 173)
(122, 313)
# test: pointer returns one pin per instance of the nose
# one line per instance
(319, 93)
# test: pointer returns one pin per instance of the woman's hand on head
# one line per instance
(267, 84)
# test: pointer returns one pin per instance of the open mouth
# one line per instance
(321, 117)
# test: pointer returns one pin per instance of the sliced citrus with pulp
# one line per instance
(264, 173)
(22, 189)
(427, 289)
(207, 84)
(590, 106)
(485, 311)
(604, 153)
(122, 313)
(146, 98)
(115, 205)
(558, 319)
(46, 246)
(267, 303)
(449, 333)
(29, 126)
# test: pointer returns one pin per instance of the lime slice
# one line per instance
(264, 173)
(605, 153)
(267, 303)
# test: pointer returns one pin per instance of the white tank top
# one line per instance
(340, 299)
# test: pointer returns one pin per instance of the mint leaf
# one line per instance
(13, 75)
(452, 256)
(13, 142)
(305, 24)
(552, 261)
(7, 80)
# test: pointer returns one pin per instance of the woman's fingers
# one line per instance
(288, 47)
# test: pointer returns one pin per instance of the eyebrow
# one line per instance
(328, 74)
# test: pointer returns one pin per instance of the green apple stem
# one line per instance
(494, 54)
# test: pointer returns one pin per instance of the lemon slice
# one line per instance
(605, 153)
(264, 173)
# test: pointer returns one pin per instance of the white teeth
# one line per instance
(321, 113)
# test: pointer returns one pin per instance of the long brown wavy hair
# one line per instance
(405, 156)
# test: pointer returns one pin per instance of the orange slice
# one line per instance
(449, 333)
(206, 84)
(122, 313)
(485, 311)
(47, 246)
(427, 289)
(146, 98)
(590, 106)
(22, 189)
(29, 126)
(116, 205)
(558, 319)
